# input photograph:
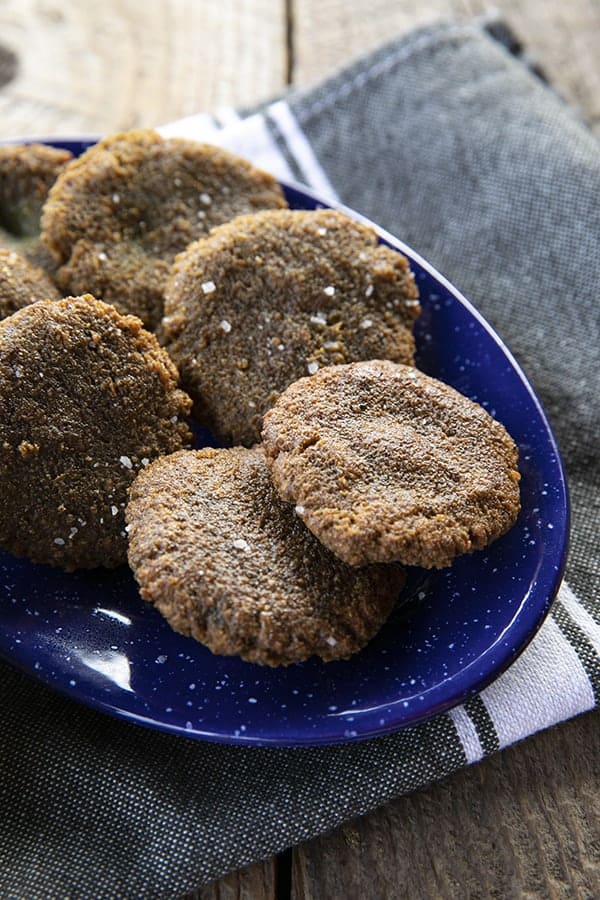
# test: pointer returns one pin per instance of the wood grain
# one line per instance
(258, 882)
(523, 824)
(100, 67)
(563, 37)
(328, 33)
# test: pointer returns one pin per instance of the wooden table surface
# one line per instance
(525, 823)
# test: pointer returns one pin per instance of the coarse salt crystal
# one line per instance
(369, 290)
(18, 372)
(366, 323)
(241, 544)
(59, 541)
(299, 510)
(322, 231)
(225, 326)
(319, 319)
(201, 214)
(126, 462)
(102, 256)
(205, 198)
(208, 287)
(331, 641)
(173, 419)
(312, 367)
(116, 198)
(114, 510)
(329, 290)
(145, 461)
(412, 302)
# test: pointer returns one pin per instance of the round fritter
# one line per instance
(22, 283)
(118, 215)
(385, 463)
(225, 561)
(27, 171)
(267, 298)
(87, 398)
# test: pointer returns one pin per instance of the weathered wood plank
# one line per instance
(258, 882)
(101, 67)
(563, 38)
(329, 33)
(525, 823)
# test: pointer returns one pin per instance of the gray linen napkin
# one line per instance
(446, 140)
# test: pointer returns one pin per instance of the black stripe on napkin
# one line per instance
(481, 719)
(285, 150)
(588, 657)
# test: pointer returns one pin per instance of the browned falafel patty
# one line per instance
(225, 561)
(87, 397)
(27, 172)
(267, 298)
(22, 283)
(118, 215)
(385, 463)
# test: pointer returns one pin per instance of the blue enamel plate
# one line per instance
(90, 635)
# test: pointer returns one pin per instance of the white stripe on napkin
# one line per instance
(467, 733)
(199, 127)
(299, 147)
(248, 137)
(227, 115)
(545, 685)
